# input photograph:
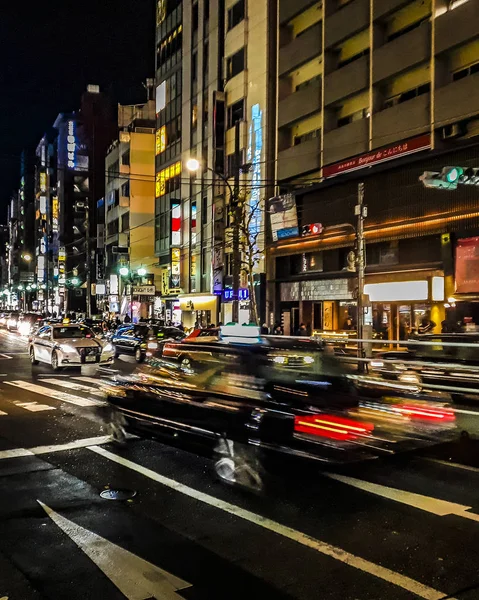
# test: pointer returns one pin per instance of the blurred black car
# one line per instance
(141, 340)
(270, 395)
(443, 362)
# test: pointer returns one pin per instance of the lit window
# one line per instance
(161, 139)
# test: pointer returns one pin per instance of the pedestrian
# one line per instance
(302, 330)
(278, 329)
(264, 329)
(127, 319)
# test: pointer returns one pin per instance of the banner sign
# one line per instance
(422, 142)
(467, 265)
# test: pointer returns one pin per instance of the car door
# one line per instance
(42, 343)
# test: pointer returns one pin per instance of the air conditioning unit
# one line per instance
(450, 132)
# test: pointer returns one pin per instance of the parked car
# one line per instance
(256, 397)
(61, 345)
(141, 340)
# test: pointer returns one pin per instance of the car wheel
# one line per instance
(33, 360)
(55, 365)
(117, 354)
(139, 355)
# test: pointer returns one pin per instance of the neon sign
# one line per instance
(71, 145)
(243, 294)
(255, 150)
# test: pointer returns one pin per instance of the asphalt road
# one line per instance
(402, 528)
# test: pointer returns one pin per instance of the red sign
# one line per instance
(467, 265)
(423, 142)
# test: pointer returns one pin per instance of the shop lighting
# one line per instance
(395, 291)
(141, 271)
(123, 271)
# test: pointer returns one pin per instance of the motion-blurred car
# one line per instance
(184, 353)
(26, 323)
(141, 340)
(4, 317)
(12, 321)
(253, 396)
(61, 345)
(443, 362)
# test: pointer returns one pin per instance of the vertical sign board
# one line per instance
(467, 265)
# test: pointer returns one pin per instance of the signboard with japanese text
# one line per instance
(467, 265)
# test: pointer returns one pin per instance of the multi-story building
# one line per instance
(212, 65)
(70, 180)
(129, 214)
(376, 92)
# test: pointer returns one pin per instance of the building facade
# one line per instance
(375, 92)
(212, 67)
(127, 238)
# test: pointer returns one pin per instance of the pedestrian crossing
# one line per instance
(84, 392)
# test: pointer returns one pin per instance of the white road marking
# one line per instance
(441, 508)
(34, 406)
(62, 396)
(96, 381)
(5, 357)
(451, 464)
(466, 412)
(136, 578)
(402, 581)
(2, 414)
(83, 443)
(75, 386)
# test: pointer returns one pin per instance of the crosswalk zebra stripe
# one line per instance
(62, 396)
(34, 406)
(3, 414)
(71, 385)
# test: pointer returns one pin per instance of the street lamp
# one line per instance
(141, 271)
(193, 165)
(124, 271)
(27, 257)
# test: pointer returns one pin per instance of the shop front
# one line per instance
(198, 310)
(400, 304)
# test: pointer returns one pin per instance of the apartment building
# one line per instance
(375, 91)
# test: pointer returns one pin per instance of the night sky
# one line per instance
(49, 55)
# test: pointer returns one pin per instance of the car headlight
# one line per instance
(308, 360)
(377, 364)
(67, 348)
(152, 345)
(108, 348)
(24, 328)
(280, 360)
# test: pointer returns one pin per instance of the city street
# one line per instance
(399, 529)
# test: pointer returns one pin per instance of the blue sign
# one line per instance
(243, 294)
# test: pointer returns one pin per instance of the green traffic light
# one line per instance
(124, 271)
(453, 174)
(74, 281)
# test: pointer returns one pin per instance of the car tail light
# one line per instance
(332, 427)
(426, 413)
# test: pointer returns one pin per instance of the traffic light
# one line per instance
(312, 229)
(450, 177)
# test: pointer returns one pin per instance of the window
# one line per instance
(466, 72)
(125, 158)
(229, 263)
(230, 163)
(407, 29)
(408, 95)
(206, 10)
(235, 113)
(125, 189)
(310, 135)
(235, 14)
(357, 116)
(112, 227)
(351, 59)
(125, 222)
(382, 254)
(307, 83)
(194, 18)
(194, 66)
(235, 63)
(113, 171)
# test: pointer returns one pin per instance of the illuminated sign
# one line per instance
(175, 223)
(161, 139)
(62, 257)
(71, 145)
(43, 182)
(160, 97)
(243, 294)
(160, 11)
(55, 214)
(175, 268)
(255, 149)
(163, 176)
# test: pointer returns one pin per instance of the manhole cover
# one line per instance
(117, 494)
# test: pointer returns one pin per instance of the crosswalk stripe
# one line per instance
(62, 396)
(2, 413)
(90, 380)
(34, 406)
(71, 385)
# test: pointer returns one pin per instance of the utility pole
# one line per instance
(361, 212)
(234, 201)
(88, 262)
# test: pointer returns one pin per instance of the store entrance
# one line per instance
(395, 321)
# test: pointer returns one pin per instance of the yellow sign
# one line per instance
(55, 214)
(164, 283)
(161, 139)
(163, 176)
(43, 182)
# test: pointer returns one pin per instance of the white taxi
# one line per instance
(61, 345)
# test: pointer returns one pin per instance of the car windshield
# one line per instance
(61, 333)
